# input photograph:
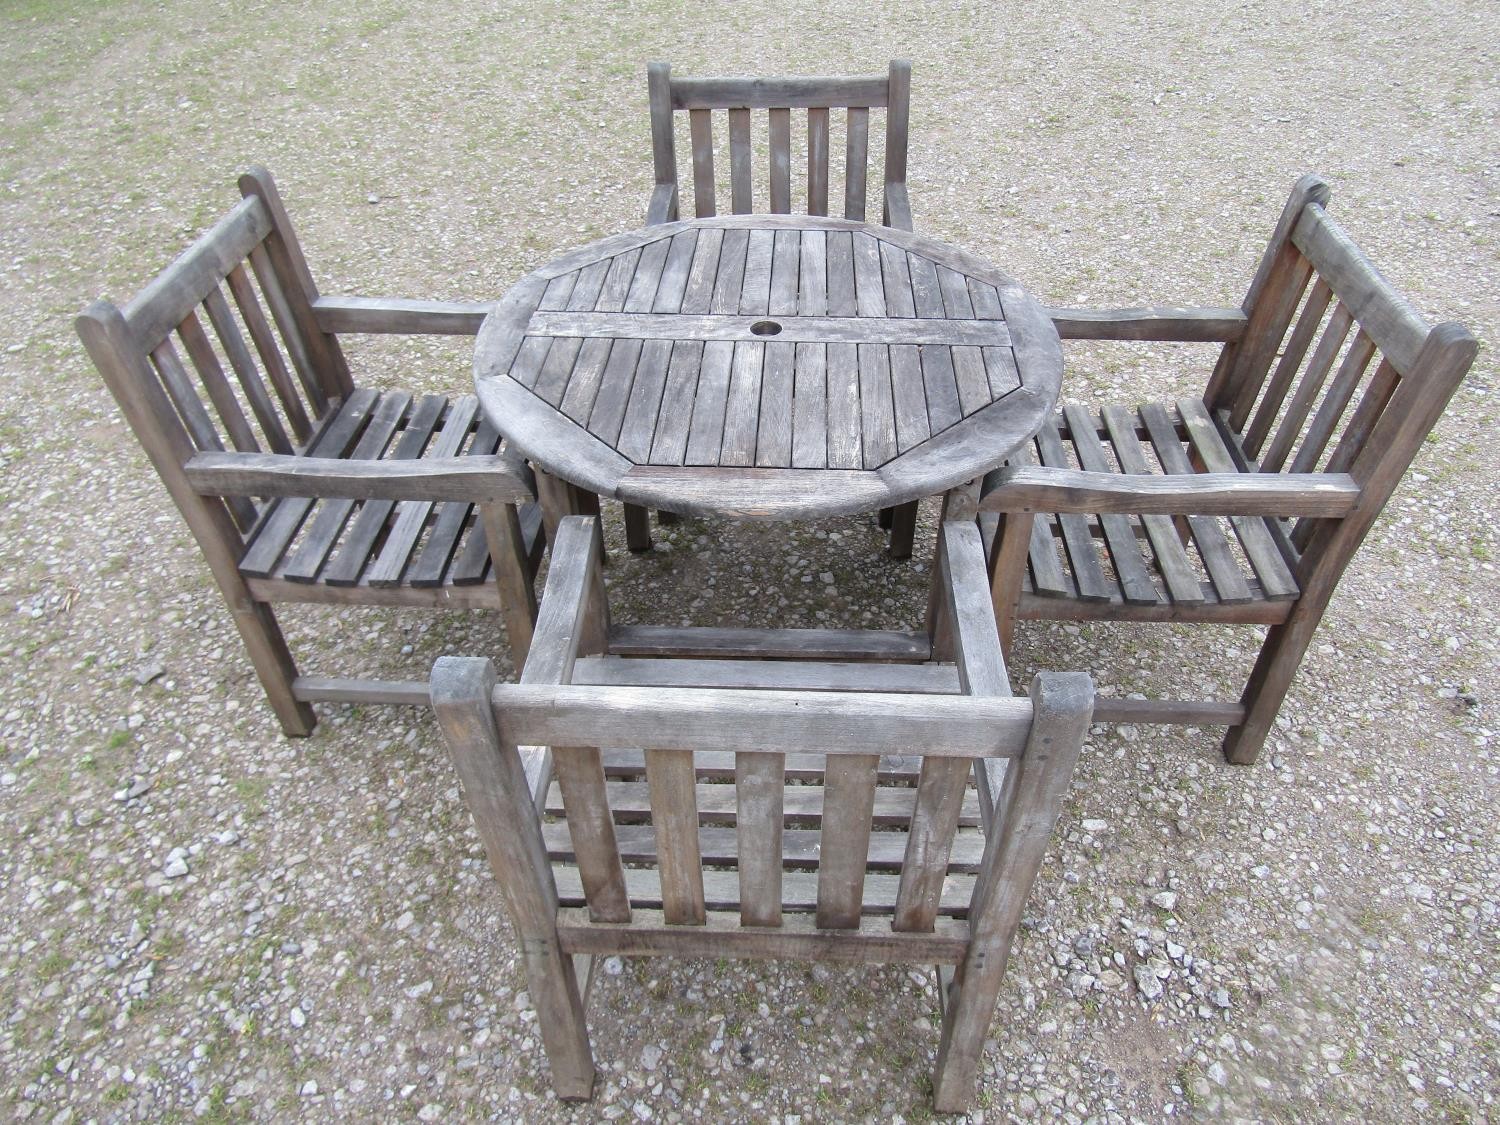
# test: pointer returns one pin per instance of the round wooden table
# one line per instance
(767, 366)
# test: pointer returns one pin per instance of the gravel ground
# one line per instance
(209, 920)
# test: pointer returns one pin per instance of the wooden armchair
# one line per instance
(1118, 518)
(736, 98)
(298, 485)
(696, 846)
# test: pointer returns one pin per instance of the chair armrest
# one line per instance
(399, 315)
(480, 478)
(1031, 488)
(663, 205)
(897, 206)
(1153, 322)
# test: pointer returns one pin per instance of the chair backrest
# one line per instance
(1336, 372)
(266, 374)
(701, 98)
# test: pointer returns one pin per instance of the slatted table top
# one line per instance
(767, 366)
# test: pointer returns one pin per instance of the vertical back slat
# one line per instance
(817, 161)
(245, 370)
(580, 777)
(1286, 370)
(1373, 403)
(844, 844)
(674, 816)
(1307, 389)
(270, 355)
(780, 129)
(1265, 330)
(856, 162)
(701, 128)
(1340, 391)
(758, 784)
(941, 785)
(739, 161)
(211, 375)
(179, 388)
(286, 325)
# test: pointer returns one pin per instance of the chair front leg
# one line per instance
(502, 529)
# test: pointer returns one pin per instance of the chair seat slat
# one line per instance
(333, 514)
(453, 517)
(1130, 568)
(1076, 536)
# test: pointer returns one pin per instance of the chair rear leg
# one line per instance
(273, 663)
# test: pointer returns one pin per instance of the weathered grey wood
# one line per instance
(1035, 786)
(565, 359)
(558, 293)
(387, 568)
(729, 283)
(929, 840)
(856, 161)
(1013, 543)
(701, 129)
(758, 786)
(400, 315)
(799, 891)
(642, 293)
(909, 397)
(582, 385)
(211, 376)
(1130, 569)
(674, 814)
(844, 420)
(1268, 303)
(1178, 712)
(1076, 534)
(1256, 539)
(607, 412)
(284, 253)
(173, 294)
(432, 564)
(755, 293)
(917, 679)
(785, 269)
(1371, 406)
(638, 431)
(817, 160)
(742, 405)
(794, 329)
(897, 115)
(739, 160)
(495, 787)
(706, 434)
(799, 938)
(1151, 323)
(848, 804)
(1318, 299)
(1307, 390)
(812, 290)
(803, 806)
(773, 443)
(322, 689)
(669, 441)
(767, 93)
(1213, 548)
(662, 207)
(617, 280)
(349, 564)
(663, 146)
(811, 408)
(877, 405)
(941, 385)
(270, 354)
(246, 373)
(580, 776)
(1334, 403)
(782, 722)
(780, 138)
(277, 529)
(1171, 560)
(880, 645)
(1397, 329)
(895, 271)
(288, 330)
(869, 286)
